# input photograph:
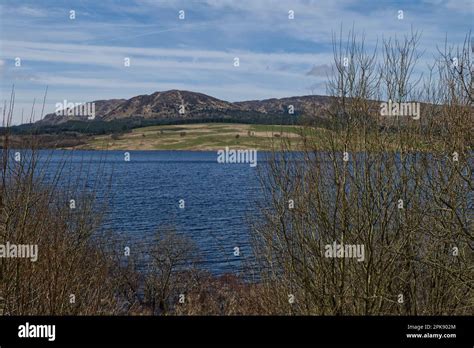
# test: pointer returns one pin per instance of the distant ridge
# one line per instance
(186, 105)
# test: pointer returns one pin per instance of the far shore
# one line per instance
(201, 137)
(197, 137)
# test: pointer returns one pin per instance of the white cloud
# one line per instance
(25, 10)
(165, 58)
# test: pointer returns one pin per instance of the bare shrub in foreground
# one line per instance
(398, 186)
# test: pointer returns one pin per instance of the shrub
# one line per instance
(410, 209)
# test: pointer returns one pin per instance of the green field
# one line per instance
(215, 136)
(199, 137)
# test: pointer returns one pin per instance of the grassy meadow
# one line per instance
(199, 137)
(215, 136)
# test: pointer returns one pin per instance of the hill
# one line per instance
(177, 105)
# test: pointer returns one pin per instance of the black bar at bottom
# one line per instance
(133, 331)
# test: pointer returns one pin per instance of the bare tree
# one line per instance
(398, 186)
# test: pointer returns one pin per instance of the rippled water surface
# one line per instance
(145, 194)
(220, 199)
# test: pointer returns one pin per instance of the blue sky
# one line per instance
(82, 60)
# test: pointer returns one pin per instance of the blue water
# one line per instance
(145, 193)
